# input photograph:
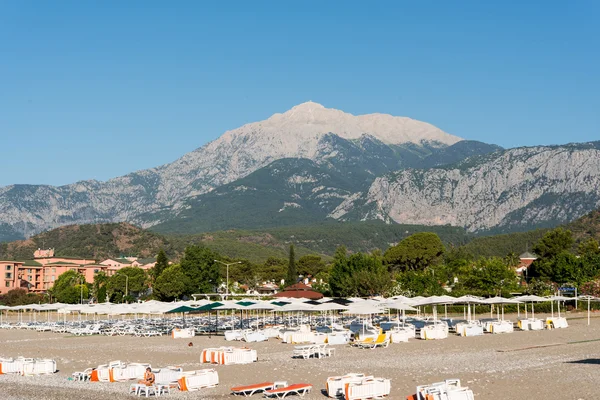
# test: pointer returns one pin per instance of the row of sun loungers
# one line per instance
(27, 366)
(165, 378)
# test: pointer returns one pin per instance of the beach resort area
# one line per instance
(420, 348)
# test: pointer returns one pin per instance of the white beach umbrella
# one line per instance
(531, 299)
(589, 299)
(558, 299)
(500, 300)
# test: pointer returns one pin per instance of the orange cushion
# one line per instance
(250, 387)
(295, 386)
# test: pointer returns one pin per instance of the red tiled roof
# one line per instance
(300, 294)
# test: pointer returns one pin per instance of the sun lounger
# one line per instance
(27, 366)
(249, 390)
(298, 388)
(449, 389)
(364, 341)
(313, 350)
(382, 341)
(83, 376)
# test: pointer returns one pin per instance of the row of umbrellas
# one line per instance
(348, 306)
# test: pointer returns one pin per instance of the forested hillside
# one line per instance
(114, 240)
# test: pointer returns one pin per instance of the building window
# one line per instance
(53, 270)
(7, 283)
(53, 278)
(8, 267)
(96, 271)
(29, 270)
(30, 278)
(8, 275)
(72, 269)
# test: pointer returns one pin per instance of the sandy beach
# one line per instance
(557, 364)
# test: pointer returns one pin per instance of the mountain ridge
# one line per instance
(302, 132)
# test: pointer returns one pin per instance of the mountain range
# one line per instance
(312, 164)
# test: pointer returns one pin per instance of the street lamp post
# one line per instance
(126, 285)
(227, 281)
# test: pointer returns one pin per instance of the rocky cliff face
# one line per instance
(151, 196)
(516, 188)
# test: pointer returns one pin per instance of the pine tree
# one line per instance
(162, 263)
(292, 275)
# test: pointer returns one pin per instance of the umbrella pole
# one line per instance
(446, 311)
(589, 311)
(552, 308)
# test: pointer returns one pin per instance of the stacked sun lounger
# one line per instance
(335, 338)
(118, 371)
(434, 331)
(254, 336)
(196, 380)
(228, 356)
(556, 322)
(27, 366)
(469, 329)
(235, 334)
(531, 324)
(449, 389)
(128, 372)
(368, 388)
(167, 375)
(336, 385)
(183, 333)
(402, 334)
(499, 327)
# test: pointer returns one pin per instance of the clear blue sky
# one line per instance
(97, 89)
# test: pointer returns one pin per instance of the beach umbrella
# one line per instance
(530, 299)
(589, 299)
(500, 300)
(468, 300)
(558, 299)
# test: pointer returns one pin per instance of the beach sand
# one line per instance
(557, 364)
